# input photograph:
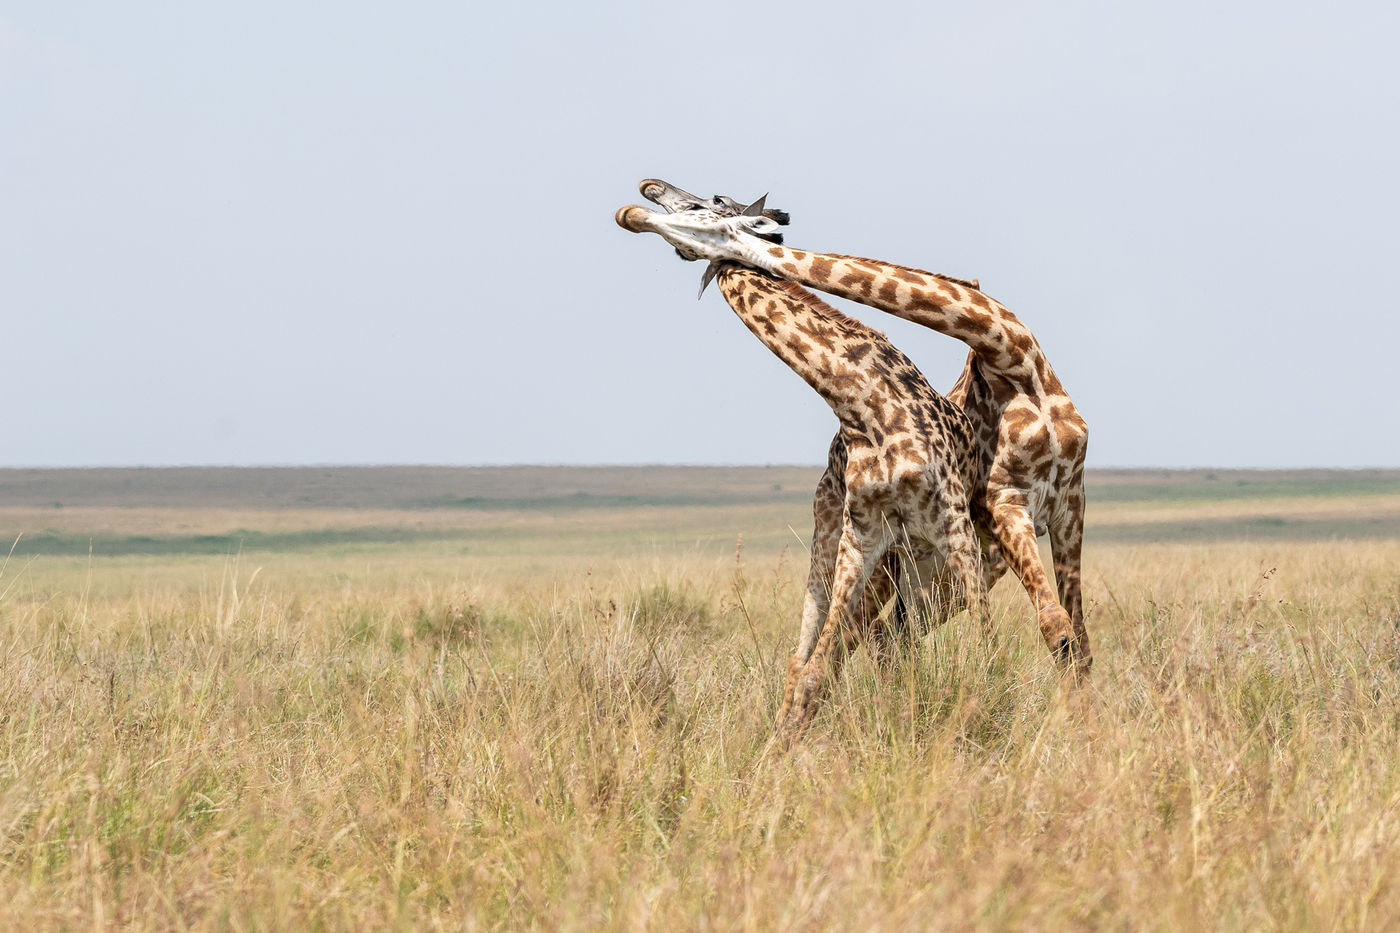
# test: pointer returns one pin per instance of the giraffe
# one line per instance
(906, 456)
(1031, 439)
(829, 498)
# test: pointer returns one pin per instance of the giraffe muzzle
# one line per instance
(633, 217)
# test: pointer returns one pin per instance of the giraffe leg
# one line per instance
(957, 542)
(993, 563)
(1016, 535)
(950, 578)
(1066, 543)
(885, 638)
(932, 591)
(828, 506)
(819, 578)
(942, 596)
(855, 560)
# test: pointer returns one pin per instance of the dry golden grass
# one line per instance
(573, 733)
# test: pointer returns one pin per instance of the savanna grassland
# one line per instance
(541, 698)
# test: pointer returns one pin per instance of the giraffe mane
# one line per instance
(836, 316)
(968, 283)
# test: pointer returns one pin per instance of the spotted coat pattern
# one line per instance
(900, 476)
(1031, 440)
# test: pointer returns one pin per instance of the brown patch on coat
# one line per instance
(858, 278)
(820, 269)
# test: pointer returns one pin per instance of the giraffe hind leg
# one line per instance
(1066, 546)
(887, 638)
(1016, 535)
(962, 583)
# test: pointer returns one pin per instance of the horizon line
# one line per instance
(384, 465)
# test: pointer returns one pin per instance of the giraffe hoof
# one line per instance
(790, 731)
(1073, 657)
(785, 734)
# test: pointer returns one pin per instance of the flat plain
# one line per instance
(541, 698)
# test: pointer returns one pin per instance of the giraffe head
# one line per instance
(718, 230)
(676, 200)
(700, 233)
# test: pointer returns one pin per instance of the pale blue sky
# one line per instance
(382, 233)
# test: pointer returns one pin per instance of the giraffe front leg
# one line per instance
(1066, 545)
(1016, 535)
(854, 563)
(828, 507)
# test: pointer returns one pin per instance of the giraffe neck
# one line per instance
(853, 367)
(1000, 341)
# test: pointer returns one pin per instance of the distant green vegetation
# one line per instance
(537, 488)
(1248, 528)
(77, 545)
(714, 533)
(1145, 487)
(575, 511)
(586, 500)
(1207, 486)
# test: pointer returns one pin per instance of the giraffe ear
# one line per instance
(761, 225)
(706, 278)
(757, 209)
